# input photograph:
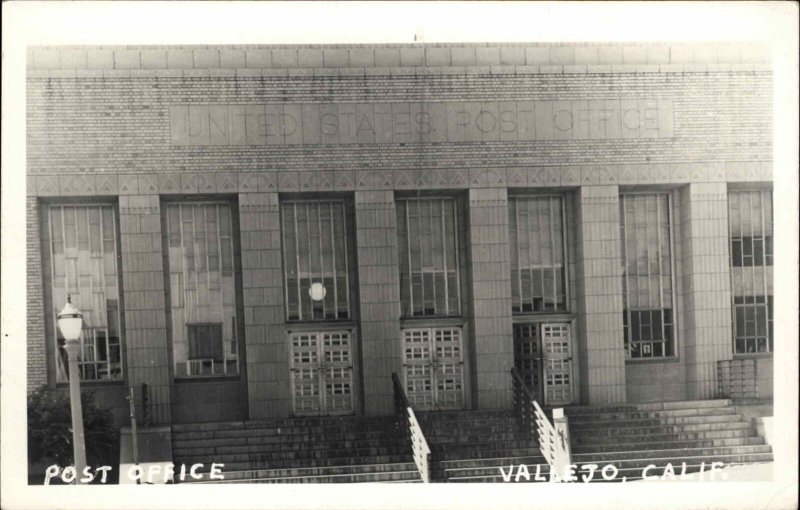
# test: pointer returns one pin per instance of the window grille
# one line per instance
(751, 230)
(199, 245)
(82, 242)
(646, 234)
(536, 242)
(428, 256)
(205, 341)
(315, 251)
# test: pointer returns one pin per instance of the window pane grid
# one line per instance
(429, 264)
(645, 233)
(83, 263)
(315, 251)
(199, 245)
(322, 372)
(538, 269)
(751, 230)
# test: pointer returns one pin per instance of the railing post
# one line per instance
(560, 424)
(553, 438)
(413, 432)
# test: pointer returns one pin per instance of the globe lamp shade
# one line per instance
(317, 291)
(70, 322)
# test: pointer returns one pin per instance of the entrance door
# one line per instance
(543, 357)
(322, 373)
(433, 368)
(557, 347)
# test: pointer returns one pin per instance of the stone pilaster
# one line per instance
(491, 297)
(599, 289)
(705, 273)
(379, 294)
(262, 281)
(146, 341)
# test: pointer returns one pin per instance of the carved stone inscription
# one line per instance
(376, 123)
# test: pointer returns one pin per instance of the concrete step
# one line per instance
(648, 406)
(393, 476)
(252, 474)
(637, 415)
(343, 422)
(661, 436)
(303, 463)
(179, 441)
(661, 472)
(666, 445)
(677, 457)
(607, 456)
(439, 449)
(683, 404)
(492, 461)
(281, 432)
(659, 429)
(669, 420)
(290, 455)
(472, 428)
(543, 469)
(460, 415)
(264, 447)
(482, 452)
(457, 438)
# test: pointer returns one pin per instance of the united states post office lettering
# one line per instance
(453, 122)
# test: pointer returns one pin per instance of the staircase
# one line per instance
(298, 450)
(633, 436)
(473, 446)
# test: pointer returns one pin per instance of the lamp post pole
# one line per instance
(78, 445)
(70, 321)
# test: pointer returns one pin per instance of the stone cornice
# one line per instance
(389, 59)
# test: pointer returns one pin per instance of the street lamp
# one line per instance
(70, 322)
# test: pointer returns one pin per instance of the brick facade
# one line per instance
(37, 348)
(489, 120)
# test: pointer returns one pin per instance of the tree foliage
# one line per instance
(50, 429)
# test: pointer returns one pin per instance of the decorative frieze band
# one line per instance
(409, 179)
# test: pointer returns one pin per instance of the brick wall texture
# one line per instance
(37, 348)
(121, 125)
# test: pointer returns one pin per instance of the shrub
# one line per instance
(50, 429)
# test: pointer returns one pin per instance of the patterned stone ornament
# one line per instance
(248, 182)
(169, 183)
(148, 184)
(206, 183)
(226, 182)
(107, 184)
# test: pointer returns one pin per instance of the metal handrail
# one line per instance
(407, 421)
(553, 439)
